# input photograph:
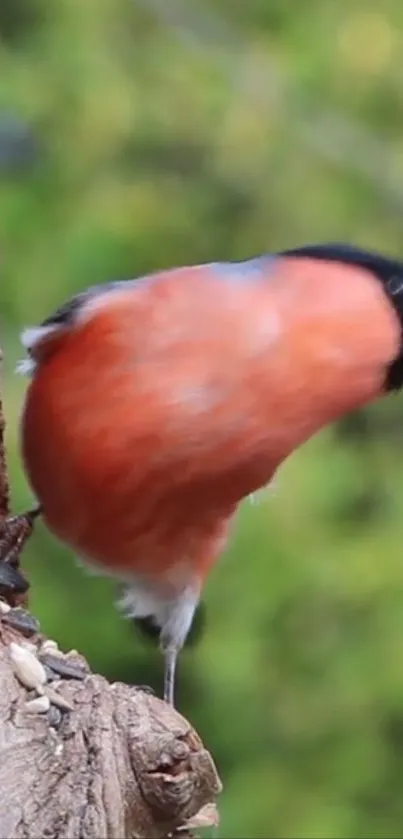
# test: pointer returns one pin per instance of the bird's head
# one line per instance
(388, 271)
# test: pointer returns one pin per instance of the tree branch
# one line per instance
(4, 485)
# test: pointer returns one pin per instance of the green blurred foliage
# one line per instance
(140, 135)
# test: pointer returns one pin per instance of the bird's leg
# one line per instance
(170, 659)
(178, 620)
(170, 616)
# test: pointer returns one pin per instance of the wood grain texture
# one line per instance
(120, 764)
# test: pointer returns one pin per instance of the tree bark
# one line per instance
(121, 763)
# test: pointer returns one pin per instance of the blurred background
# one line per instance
(139, 134)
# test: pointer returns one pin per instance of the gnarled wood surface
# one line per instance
(121, 763)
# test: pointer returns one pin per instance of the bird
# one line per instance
(156, 405)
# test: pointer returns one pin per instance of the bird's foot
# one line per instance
(14, 531)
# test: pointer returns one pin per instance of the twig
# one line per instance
(4, 483)
(14, 530)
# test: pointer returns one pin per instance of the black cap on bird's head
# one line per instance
(387, 270)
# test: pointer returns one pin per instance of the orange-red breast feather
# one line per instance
(162, 403)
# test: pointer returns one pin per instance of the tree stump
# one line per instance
(115, 762)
